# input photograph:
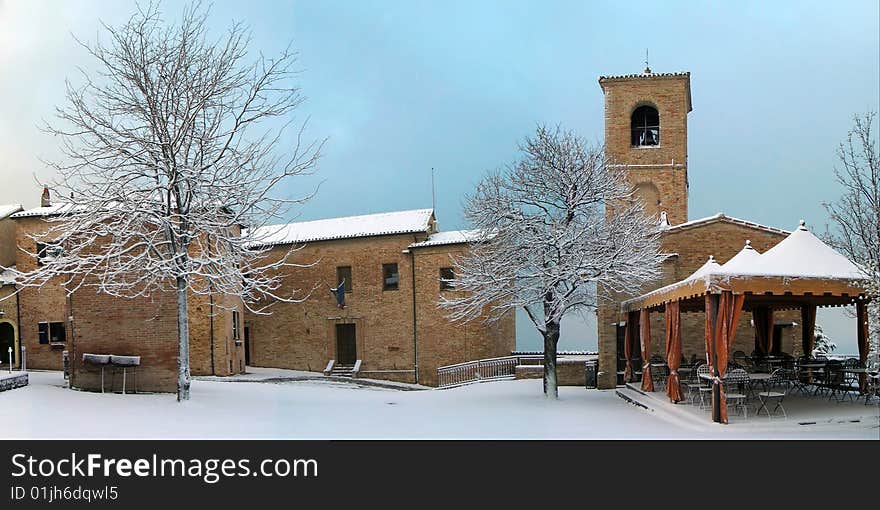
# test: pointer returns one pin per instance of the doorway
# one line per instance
(247, 346)
(346, 344)
(7, 341)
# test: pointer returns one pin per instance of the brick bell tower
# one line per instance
(646, 130)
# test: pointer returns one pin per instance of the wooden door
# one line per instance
(7, 342)
(346, 344)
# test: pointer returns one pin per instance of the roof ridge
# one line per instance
(720, 216)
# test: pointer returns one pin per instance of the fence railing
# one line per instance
(481, 370)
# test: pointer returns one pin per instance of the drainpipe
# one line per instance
(18, 320)
(211, 333)
(412, 256)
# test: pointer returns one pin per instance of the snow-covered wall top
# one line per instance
(397, 222)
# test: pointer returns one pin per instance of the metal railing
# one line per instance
(481, 370)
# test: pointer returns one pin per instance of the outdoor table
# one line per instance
(758, 377)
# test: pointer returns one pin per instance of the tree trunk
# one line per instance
(551, 339)
(183, 377)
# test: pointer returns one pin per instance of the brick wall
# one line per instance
(302, 336)
(46, 304)
(442, 342)
(145, 327)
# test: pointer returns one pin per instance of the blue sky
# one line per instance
(399, 87)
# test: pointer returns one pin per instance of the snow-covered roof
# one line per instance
(745, 258)
(450, 237)
(8, 210)
(721, 217)
(801, 254)
(711, 266)
(397, 222)
(52, 210)
(800, 257)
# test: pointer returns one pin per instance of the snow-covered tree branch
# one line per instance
(560, 227)
(172, 148)
(855, 216)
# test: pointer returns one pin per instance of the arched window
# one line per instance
(645, 126)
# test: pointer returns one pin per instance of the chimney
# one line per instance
(44, 200)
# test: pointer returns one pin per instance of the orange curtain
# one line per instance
(862, 337)
(808, 331)
(673, 351)
(632, 324)
(645, 334)
(763, 317)
(726, 317)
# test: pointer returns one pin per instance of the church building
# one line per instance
(646, 129)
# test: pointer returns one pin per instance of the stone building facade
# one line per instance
(646, 130)
(390, 325)
(50, 322)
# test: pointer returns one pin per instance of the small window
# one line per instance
(51, 332)
(447, 275)
(390, 277)
(236, 324)
(47, 252)
(645, 126)
(343, 273)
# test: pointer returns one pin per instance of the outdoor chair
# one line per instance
(658, 375)
(837, 382)
(704, 386)
(851, 379)
(736, 390)
(740, 358)
(774, 393)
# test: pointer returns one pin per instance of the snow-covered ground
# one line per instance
(337, 410)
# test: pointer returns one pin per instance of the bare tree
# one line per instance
(855, 216)
(557, 225)
(173, 145)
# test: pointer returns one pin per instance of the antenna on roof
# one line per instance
(647, 69)
(433, 199)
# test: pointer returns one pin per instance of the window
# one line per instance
(236, 324)
(51, 332)
(390, 277)
(447, 275)
(645, 126)
(343, 273)
(47, 252)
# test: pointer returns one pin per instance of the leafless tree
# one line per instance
(560, 227)
(855, 216)
(170, 148)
